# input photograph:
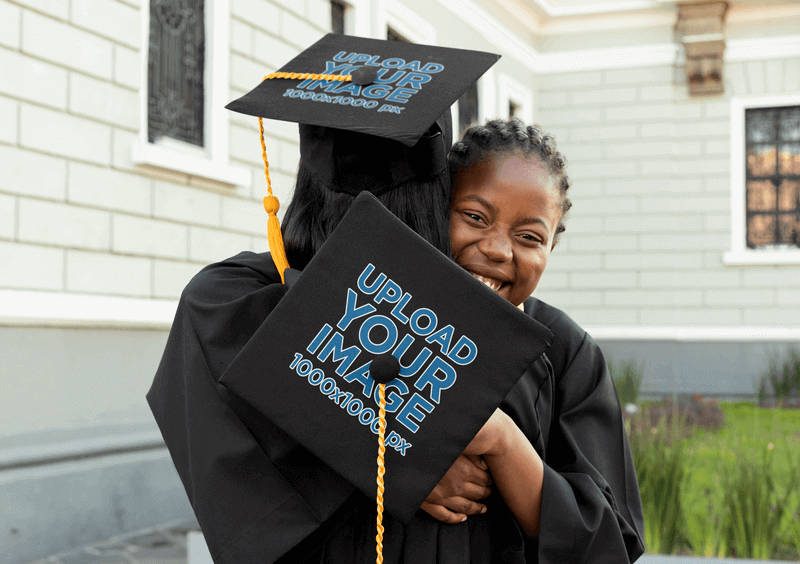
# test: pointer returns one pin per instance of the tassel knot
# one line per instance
(271, 204)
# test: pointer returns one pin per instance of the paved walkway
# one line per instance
(165, 544)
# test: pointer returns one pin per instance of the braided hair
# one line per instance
(512, 137)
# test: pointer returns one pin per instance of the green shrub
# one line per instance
(627, 378)
(782, 378)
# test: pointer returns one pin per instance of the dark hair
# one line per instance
(511, 136)
(314, 212)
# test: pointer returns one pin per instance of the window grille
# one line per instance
(176, 61)
(773, 176)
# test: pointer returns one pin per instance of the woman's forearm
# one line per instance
(517, 471)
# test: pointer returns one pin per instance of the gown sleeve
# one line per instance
(253, 500)
(591, 508)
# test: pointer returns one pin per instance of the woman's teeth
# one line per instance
(491, 283)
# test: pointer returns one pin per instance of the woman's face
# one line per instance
(503, 221)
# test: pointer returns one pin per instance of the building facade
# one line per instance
(681, 251)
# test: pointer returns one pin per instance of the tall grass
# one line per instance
(732, 492)
(753, 507)
(658, 454)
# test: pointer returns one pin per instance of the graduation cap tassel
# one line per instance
(271, 203)
(383, 369)
(381, 471)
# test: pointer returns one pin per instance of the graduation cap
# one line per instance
(373, 114)
(369, 110)
(379, 294)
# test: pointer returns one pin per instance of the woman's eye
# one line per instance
(473, 216)
(531, 238)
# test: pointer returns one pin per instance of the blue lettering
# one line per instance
(415, 80)
(347, 356)
(401, 95)
(331, 67)
(414, 412)
(366, 328)
(427, 314)
(462, 344)
(437, 385)
(390, 292)
(397, 311)
(393, 63)
(341, 58)
(362, 280)
(432, 68)
(393, 400)
(397, 74)
(413, 65)
(414, 367)
(443, 336)
(376, 91)
(349, 88)
(361, 375)
(351, 312)
(320, 338)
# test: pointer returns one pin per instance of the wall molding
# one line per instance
(51, 309)
(689, 333)
(657, 54)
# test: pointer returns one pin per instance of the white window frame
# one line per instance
(212, 161)
(739, 254)
(510, 90)
(407, 23)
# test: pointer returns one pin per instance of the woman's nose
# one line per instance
(496, 246)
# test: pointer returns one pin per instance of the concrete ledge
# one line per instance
(55, 508)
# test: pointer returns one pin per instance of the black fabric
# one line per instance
(257, 500)
(415, 84)
(360, 297)
(389, 126)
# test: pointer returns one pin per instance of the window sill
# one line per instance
(152, 155)
(748, 258)
(53, 309)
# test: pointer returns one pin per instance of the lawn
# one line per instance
(727, 492)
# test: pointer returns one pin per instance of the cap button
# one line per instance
(364, 75)
(384, 368)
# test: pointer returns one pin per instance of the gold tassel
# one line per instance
(272, 205)
(381, 472)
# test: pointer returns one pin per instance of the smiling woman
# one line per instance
(508, 205)
(554, 458)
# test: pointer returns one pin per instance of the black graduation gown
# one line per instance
(268, 500)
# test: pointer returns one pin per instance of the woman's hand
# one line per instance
(456, 495)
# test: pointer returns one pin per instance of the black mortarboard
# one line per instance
(389, 123)
(376, 288)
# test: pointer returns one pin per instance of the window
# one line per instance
(772, 176)
(513, 109)
(338, 10)
(467, 109)
(765, 181)
(175, 71)
(184, 123)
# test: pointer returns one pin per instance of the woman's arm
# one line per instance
(516, 468)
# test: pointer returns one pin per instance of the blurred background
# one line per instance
(123, 175)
